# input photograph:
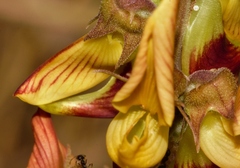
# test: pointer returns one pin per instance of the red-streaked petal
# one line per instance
(47, 150)
(72, 70)
(94, 104)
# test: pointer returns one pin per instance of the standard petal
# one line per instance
(219, 146)
(153, 67)
(204, 25)
(94, 104)
(47, 150)
(136, 140)
(141, 90)
(205, 45)
(137, 73)
(163, 50)
(72, 70)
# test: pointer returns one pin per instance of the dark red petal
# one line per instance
(218, 53)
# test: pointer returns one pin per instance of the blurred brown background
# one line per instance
(30, 32)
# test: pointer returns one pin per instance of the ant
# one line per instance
(81, 162)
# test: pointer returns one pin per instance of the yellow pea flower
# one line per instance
(72, 71)
(136, 140)
(137, 137)
(181, 95)
(151, 81)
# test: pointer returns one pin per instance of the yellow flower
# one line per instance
(136, 140)
(188, 57)
(210, 102)
(138, 135)
(151, 81)
(72, 70)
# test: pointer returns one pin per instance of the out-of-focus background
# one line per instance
(30, 32)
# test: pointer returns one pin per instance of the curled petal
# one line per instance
(153, 67)
(47, 150)
(220, 147)
(72, 71)
(136, 140)
(93, 104)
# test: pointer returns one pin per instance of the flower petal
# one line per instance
(72, 70)
(126, 17)
(219, 146)
(47, 150)
(231, 20)
(93, 104)
(153, 67)
(163, 50)
(205, 45)
(207, 18)
(136, 140)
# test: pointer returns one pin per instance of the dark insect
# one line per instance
(81, 162)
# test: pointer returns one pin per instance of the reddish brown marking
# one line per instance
(79, 63)
(60, 73)
(218, 53)
(101, 107)
(25, 85)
